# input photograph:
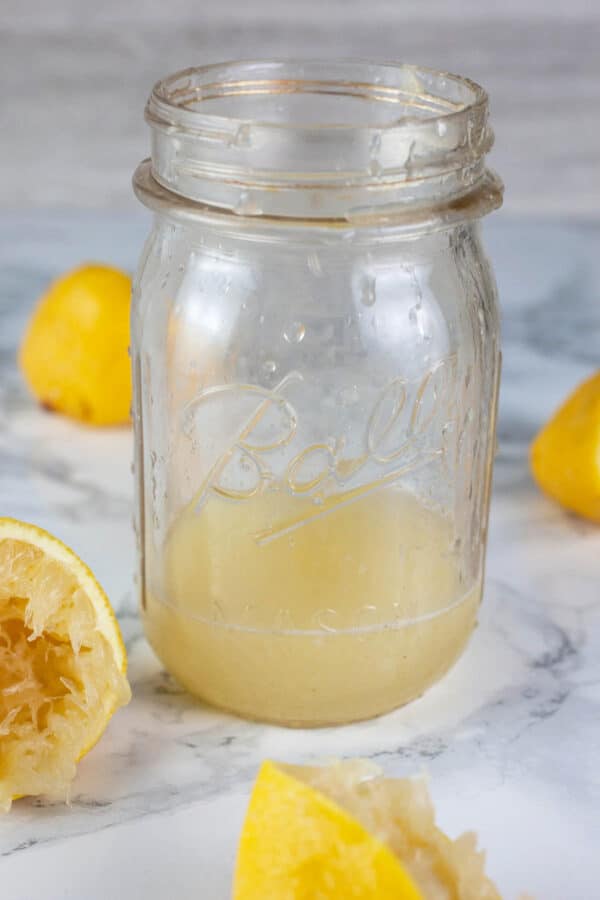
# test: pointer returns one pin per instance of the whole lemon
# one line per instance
(74, 354)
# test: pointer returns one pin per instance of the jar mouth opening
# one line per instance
(311, 138)
(385, 95)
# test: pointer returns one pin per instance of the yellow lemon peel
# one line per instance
(74, 354)
(343, 831)
(62, 662)
(565, 456)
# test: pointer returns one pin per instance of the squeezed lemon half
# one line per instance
(345, 831)
(62, 662)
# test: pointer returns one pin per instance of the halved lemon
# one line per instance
(74, 351)
(565, 456)
(62, 662)
(345, 831)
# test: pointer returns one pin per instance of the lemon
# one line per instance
(565, 456)
(344, 831)
(62, 662)
(74, 354)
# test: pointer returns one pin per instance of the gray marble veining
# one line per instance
(510, 738)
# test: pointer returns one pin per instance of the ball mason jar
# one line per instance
(315, 346)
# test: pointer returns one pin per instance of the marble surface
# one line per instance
(510, 738)
(72, 115)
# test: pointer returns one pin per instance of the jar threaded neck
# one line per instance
(321, 140)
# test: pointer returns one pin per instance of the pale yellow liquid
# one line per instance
(286, 611)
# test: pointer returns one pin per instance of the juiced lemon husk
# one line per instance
(62, 663)
(346, 831)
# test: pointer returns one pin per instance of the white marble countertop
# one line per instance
(511, 737)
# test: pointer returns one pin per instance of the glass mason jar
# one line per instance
(316, 359)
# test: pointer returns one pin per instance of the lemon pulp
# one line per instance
(284, 610)
(62, 663)
(345, 830)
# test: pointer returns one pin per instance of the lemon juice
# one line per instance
(284, 610)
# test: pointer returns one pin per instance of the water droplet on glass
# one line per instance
(375, 144)
(470, 125)
(367, 293)
(242, 201)
(314, 264)
(243, 136)
(375, 168)
(368, 615)
(269, 366)
(246, 206)
(294, 333)
(326, 619)
(261, 320)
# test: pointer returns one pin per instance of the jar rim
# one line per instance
(169, 103)
(318, 138)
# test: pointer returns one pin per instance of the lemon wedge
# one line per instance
(344, 831)
(565, 456)
(62, 662)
